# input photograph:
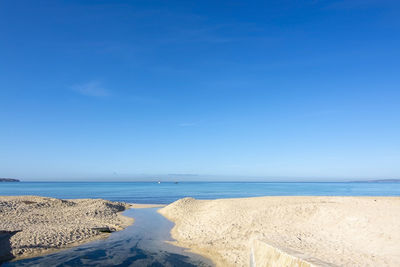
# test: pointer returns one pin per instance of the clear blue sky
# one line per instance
(273, 90)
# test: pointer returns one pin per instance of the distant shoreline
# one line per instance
(287, 182)
(379, 181)
(9, 180)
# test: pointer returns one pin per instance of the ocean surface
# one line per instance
(165, 192)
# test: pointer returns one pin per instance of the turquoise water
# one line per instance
(138, 192)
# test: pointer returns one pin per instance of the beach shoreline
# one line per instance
(35, 226)
(316, 231)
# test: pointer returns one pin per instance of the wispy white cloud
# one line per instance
(92, 88)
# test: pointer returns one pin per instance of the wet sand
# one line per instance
(31, 225)
(270, 231)
(138, 245)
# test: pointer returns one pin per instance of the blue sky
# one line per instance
(248, 90)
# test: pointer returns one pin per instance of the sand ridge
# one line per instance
(343, 231)
(33, 225)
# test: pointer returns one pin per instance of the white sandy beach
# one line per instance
(269, 231)
(330, 231)
(31, 225)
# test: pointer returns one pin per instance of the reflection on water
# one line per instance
(141, 244)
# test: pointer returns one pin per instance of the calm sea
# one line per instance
(137, 192)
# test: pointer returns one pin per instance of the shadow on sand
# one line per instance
(5, 245)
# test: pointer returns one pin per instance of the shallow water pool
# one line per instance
(141, 244)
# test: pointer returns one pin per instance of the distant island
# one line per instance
(9, 180)
(387, 181)
(379, 181)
